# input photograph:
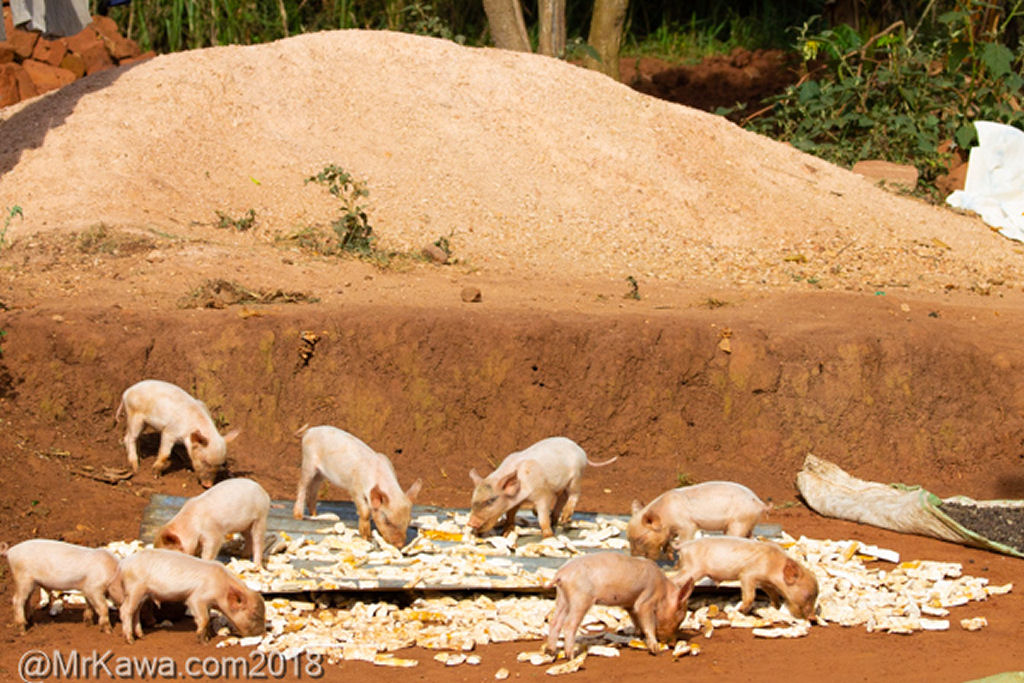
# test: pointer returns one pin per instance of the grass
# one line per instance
(11, 213)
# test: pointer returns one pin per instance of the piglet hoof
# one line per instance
(21, 629)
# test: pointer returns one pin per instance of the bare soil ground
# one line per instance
(786, 307)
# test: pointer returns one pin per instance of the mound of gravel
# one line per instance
(533, 165)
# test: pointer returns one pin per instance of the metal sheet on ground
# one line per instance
(280, 523)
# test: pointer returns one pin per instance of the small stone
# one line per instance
(435, 253)
(472, 295)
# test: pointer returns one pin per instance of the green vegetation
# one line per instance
(245, 222)
(173, 25)
(3, 333)
(709, 29)
(899, 93)
(684, 479)
(11, 213)
(352, 228)
(634, 288)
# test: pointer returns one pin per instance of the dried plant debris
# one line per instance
(1002, 524)
(860, 586)
(223, 293)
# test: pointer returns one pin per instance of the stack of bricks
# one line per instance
(31, 64)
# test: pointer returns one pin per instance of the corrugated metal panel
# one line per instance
(162, 508)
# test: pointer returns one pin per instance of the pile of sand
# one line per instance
(532, 165)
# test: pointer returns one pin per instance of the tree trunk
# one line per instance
(551, 32)
(606, 35)
(505, 19)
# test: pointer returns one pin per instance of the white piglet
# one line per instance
(547, 474)
(179, 418)
(679, 513)
(59, 566)
(368, 476)
(167, 576)
(233, 505)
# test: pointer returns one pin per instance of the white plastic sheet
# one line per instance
(994, 187)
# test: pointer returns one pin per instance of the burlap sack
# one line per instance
(831, 492)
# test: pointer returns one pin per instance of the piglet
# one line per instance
(547, 474)
(656, 604)
(58, 566)
(180, 419)
(710, 506)
(201, 524)
(169, 576)
(348, 463)
(756, 564)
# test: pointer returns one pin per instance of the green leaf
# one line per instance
(996, 58)
(965, 136)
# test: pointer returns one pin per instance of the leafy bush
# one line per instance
(353, 229)
(899, 94)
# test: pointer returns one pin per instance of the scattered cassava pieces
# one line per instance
(860, 585)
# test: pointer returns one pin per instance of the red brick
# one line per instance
(50, 51)
(954, 180)
(123, 49)
(25, 87)
(47, 77)
(105, 26)
(888, 172)
(9, 85)
(73, 63)
(96, 59)
(8, 21)
(23, 42)
(83, 40)
(141, 58)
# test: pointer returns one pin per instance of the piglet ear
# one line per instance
(377, 497)
(198, 439)
(652, 520)
(414, 490)
(637, 506)
(232, 435)
(791, 572)
(510, 484)
(475, 477)
(235, 598)
(684, 592)
(167, 539)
